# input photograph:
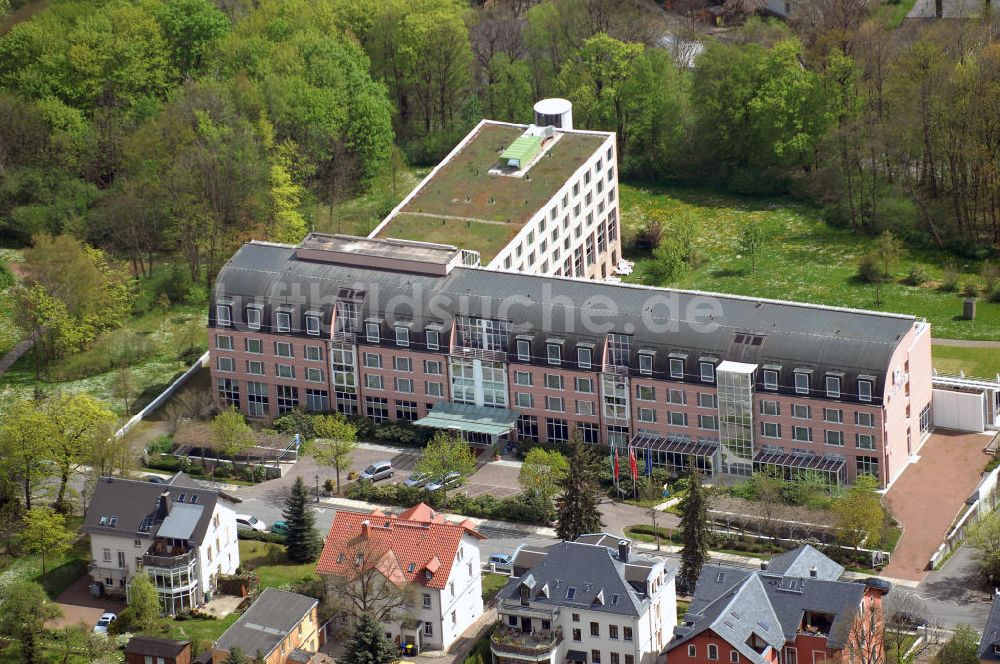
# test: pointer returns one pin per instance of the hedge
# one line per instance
(259, 536)
(512, 508)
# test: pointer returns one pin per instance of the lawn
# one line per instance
(893, 13)
(61, 570)
(272, 565)
(492, 584)
(486, 238)
(682, 608)
(360, 214)
(802, 258)
(199, 629)
(979, 362)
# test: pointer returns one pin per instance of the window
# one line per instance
(627, 635)
(867, 466)
(585, 385)
(864, 419)
(223, 342)
(770, 429)
(791, 656)
(554, 353)
(770, 379)
(676, 397)
(223, 315)
(433, 389)
(645, 393)
(225, 364)
(317, 400)
(432, 367)
(803, 434)
(255, 346)
(770, 408)
(314, 375)
(377, 408)
(524, 400)
(734, 657)
(713, 651)
(629, 659)
(312, 324)
(584, 357)
(584, 407)
(402, 335)
(595, 656)
(257, 400)
(833, 387)
(283, 349)
(801, 411)
(707, 400)
(374, 382)
(107, 555)
(253, 318)
(288, 399)
(801, 382)
(554, 381)
(527, 428)
(613, 632)
(403, 364)
(283, 321)
(707, 371)
(373, 360)
(522, 378)
(372, 332)
(285, 371)
(427, 601)
(255, 368)
(677, 419)
(595, 629)
(433, 338)
(645, 364)
(229, 392)
(864, 390)
(647, 415)
(865, 441)
(404, 385)
(709, 422)
(676, 367)
(314, 353)
(428, 629)
(524, 350)
(554, 404)
(833, 415)
(692, 651)
(577, 636)
(557, 431)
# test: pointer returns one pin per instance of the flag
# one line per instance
(649, 462)
(616, 464)
(632, 465)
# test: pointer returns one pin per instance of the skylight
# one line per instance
(614, 600)
(570, 593)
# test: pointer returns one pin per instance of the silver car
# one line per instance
(417, 480)
(450, 480)
(380, 470)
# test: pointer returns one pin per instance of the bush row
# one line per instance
(258, 536)
(513, 508)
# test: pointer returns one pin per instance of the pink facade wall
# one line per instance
(905, 400)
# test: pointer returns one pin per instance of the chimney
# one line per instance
(763, 565)
(165, 503)
(623, 546)
(365, 525)
(812, 571)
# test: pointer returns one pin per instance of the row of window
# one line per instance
(804, 412)
(713, 653)
(833, 437)
(254, 313)
(259, 401)
(258, 368)
(404, 385)
(403, 364)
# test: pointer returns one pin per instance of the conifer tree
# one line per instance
(302, 541)
(577, 506)
(368, 644)
(694, 531)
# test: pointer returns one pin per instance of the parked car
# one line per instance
(417, 480)
(250, 522)
(380, 470)
(907, 620)
(876, 583)
(279, 528)
(502, 562)
(448, 481)
(156, 479)
(104, 622)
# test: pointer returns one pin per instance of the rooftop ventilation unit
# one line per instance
(554, 112)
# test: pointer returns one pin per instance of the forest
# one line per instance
(182, 128)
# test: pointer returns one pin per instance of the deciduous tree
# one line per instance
(541, 474)
(445, 454)
(78, 423)
(26, 607)
(230, 432)
(336, 441)
(25, 442)
(859, 513)
(45, 533)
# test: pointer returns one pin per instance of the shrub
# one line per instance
(296, 422)
(970, 289)
(224, 470)
(949, 280)
(994, 295)
(402, 433)
(917, 276)
(258, 536)
(6, 276)
(162, 444)
(329, 485)
(870, 268)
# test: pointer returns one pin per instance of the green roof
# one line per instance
(465, 417)
(522, 147)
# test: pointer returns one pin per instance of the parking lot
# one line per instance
(496, 478)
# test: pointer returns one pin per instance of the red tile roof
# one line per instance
(403, 548)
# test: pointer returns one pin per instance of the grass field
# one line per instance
(60, 570)
(492, 584)
(978, 362)
(893, 13)
(199, 629)
(802, 258)
(270, 562)
(486, 238)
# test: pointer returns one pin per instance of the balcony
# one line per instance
(167, 557)
(535, 646)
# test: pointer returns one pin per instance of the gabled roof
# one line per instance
(737, 604)
(418, 546)
(991, 633)
(155, 647)
(588, 576)
(133, 508)
(267, 622)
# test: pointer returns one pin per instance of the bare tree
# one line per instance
(372, 582)
(906, 614)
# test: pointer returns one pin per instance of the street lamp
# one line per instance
(317, 487)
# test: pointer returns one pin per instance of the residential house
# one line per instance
(989, 645)
(179, 533)
(592, 601)
(793, 610)
(426, 566)
(154, 650)
(279, 627)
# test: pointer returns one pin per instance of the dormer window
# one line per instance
(112, 522)
(283, 321)
(433, 339)
(372, 332)
(523, 350)
(833, 387)
(312, 324)
(402, 335)
(770, 379)
(584, 357)
(428, 574)
(340, 558)
(707, 372)
(646, 364)
(554, 353)
(676, 367)
(801, 382)
(864, 390)
(253, 318)
(411, 567)
(223, 315)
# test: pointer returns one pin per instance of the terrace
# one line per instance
(466, 205)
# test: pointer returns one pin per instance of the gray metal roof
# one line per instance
(991, 633)
(181, 521)
(699, 324)
(267, 622)
(588, 576)
(801, 561)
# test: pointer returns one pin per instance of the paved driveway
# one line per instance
(80, 607)
(928, 496)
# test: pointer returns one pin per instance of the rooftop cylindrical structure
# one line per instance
(554, 112)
